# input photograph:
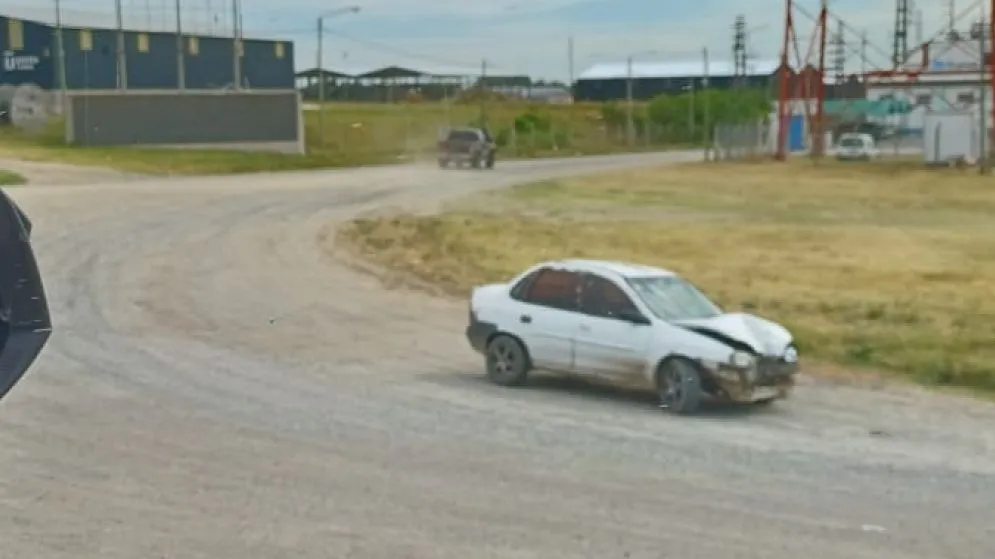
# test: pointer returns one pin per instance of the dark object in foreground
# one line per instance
(25, 324)
(467, 145)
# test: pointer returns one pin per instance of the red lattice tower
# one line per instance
(801, 88)
(796, 80)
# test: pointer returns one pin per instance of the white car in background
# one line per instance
(854, 146)
(625, 322)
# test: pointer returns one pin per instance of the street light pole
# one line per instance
(629, 124)
(236, 43)
(60, 51)
(321, 83)
(321, 70)
(707, 109)
(122, 65)
(181, 72)
(983, 117)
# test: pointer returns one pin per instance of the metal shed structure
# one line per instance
(31, 56)
(392, 83)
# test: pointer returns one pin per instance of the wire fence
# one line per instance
(742, 141)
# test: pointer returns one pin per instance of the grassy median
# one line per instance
(881, 266)
(350, 134)
(10, 178)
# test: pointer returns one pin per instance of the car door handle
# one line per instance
(526, 319)
(585, 328)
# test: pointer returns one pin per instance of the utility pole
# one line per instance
(629, 124)
(60, 51)
(321, 69)
(739, 49)
(706, 110)
(863, 53)
(691, 107)
(122, 65)
(570, 62)
(839, 54)
(236, 44)
(483, 93)
(900, 38)
(982, 110)
(321, 82)
(181, 72)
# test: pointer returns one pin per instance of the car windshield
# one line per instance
(851, 142)
(672, 298)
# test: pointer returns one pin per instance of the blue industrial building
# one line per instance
(609, 81)
(30, 56)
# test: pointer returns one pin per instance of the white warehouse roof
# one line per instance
(686, 69)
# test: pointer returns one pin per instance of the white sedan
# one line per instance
(625, 322)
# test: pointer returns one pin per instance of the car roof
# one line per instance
(622, 269)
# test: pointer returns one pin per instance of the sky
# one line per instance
(511, 36)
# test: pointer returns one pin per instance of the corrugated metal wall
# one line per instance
(27, 53)
(91, 60)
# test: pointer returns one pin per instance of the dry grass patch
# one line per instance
(350, 134)
(878, 267)
(10, 178)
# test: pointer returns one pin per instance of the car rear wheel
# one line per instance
(507, 361)
(679, 386)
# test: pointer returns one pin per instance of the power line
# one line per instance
(380, 46)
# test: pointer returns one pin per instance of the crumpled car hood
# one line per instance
(763, 336)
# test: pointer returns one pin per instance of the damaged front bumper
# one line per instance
(767, 378)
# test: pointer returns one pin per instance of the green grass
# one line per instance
(351, 134)
(10, 178)
(873, 267)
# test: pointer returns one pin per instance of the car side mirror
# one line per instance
(633, 316)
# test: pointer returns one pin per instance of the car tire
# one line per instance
(490, 161)
(679, 386)
(475, 162)
(507, 361)
(444, 163)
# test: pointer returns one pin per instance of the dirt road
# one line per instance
(217, 387)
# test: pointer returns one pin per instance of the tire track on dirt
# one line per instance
(170, 416)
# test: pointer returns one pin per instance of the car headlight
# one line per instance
(790, 354)
(741, 360)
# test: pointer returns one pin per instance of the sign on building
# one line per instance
(13, 62)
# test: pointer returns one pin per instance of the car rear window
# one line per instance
(464, 136)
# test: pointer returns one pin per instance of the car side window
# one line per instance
(558, 289)
(520, 290)
(603, 298)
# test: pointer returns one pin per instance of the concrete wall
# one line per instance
(245, 120)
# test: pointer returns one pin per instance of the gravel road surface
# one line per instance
(219, 387)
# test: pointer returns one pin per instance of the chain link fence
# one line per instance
(742, 141)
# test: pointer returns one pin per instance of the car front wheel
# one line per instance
(679, 386)
(507, 362)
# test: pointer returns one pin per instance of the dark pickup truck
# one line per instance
(467, 145)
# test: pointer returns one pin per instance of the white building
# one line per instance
(952, 79)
